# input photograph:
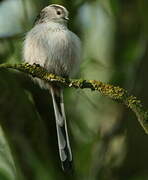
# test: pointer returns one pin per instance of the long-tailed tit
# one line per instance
(53, 46)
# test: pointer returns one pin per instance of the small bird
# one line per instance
(53, 46)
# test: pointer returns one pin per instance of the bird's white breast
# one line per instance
(54, 47)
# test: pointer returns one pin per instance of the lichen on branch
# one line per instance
(114, 92)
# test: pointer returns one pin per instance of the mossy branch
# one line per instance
(113, 92)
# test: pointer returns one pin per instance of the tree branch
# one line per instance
(113, 92)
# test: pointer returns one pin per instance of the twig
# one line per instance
(113, 92)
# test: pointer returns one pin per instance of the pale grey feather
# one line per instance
(63, 140)
(54, 47)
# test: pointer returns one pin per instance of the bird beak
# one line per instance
(66, 18)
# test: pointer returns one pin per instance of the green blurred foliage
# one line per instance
(106, 139)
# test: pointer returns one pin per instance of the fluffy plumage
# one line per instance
(52, 45)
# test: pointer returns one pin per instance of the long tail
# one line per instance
(62, 133)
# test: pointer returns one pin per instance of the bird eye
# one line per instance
(58, 12)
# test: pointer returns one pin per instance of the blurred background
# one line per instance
(107, 141)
